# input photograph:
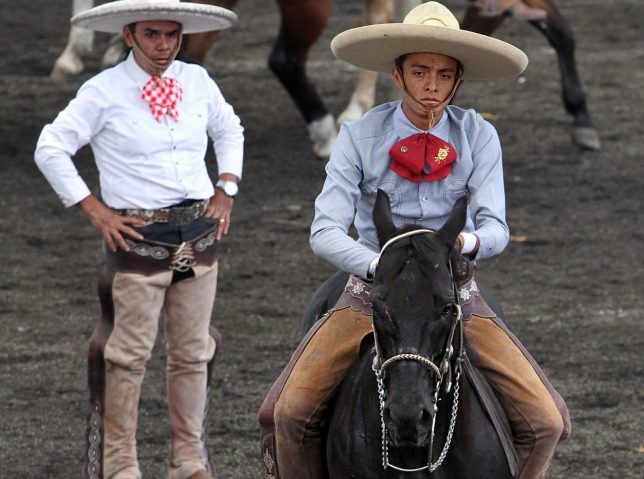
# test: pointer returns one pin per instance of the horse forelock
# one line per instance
(432, 256)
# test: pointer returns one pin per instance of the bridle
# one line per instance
(442, 373)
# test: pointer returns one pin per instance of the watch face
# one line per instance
(230, 188)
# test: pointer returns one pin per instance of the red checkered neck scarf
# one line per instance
(164, 95)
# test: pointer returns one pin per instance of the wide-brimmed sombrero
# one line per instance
(194, 17)
(430, 27)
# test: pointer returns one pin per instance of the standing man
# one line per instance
(148, 120)
(425, 154)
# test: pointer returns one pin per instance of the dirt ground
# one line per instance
(571, 286)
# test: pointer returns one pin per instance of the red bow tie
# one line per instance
(422, 156)
(164, 94)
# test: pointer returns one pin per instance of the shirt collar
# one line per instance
(405, 128)
(140, 76)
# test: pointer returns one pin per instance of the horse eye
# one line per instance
(447, 310)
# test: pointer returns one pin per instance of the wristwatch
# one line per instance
(229, 188)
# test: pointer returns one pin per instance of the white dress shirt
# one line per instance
(142, 163)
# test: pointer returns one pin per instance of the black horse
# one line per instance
(408, 408)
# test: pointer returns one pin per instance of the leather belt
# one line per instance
(176, 215)
(151, 257)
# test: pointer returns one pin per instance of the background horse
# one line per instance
(419, 412)
(302, 23)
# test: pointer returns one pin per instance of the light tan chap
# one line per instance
(139, 301)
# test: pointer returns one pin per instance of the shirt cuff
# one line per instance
(470, 241)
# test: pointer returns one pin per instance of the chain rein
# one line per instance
(378, 368)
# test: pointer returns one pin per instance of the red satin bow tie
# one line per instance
(422, 156)
(164, 94)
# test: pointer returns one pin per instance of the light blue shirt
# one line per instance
(359, 166)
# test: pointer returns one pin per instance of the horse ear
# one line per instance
(382, 218)
(455, 223)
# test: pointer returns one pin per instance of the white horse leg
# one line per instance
(362, 98)
(323, 134)
(401, 9)
(114, 53)
(79, 43)
(364, 94)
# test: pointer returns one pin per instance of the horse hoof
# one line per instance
(352, 112)
(65, 68)
(115, 53)
(322, 133)
(586, 137)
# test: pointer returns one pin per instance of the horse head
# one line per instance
(414, 309)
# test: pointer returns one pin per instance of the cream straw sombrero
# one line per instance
(430, 27)
(113, 16)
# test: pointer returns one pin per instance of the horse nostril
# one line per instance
(386, 412)
(427, 416)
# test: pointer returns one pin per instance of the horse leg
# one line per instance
(79, 43)
(559, 34)
(115, 52)
(364, 94)
(195, 46)
(302, 24)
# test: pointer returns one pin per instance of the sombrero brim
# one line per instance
(195, 18)
(376, 47)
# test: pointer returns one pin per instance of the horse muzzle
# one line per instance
(409, 426)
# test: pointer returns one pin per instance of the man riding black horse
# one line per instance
(425, 155)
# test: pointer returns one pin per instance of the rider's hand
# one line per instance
(111, 225)
(221, 207)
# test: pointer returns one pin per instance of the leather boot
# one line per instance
(122, 393)
(188, 398)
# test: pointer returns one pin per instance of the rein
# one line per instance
(443, 371)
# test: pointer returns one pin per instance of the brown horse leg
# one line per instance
(93, 461)
(559, 34)
(195, 46)
(475, 22)
(302, 24)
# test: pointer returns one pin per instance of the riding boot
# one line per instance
(122, 394)
(137, 301)
(190, 346)
(219, 340)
